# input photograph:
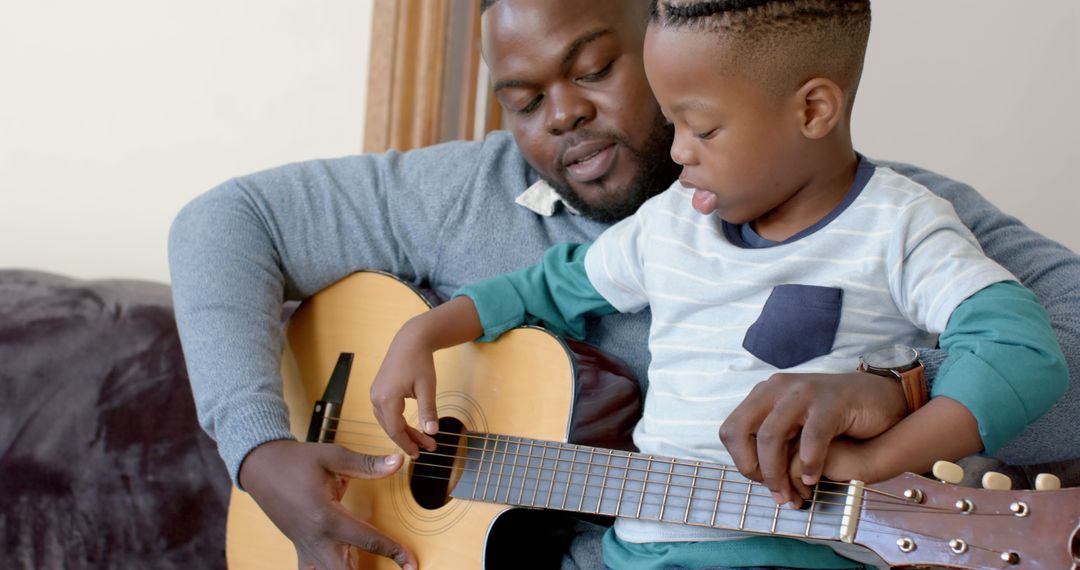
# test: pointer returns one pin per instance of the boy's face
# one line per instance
(739, 146)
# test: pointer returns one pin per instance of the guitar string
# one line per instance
(765, 512)
(583, 450)
(649, 496)
(752, 511)
(556, 445)
(891, 500)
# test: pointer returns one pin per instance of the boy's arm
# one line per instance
(408, 371)
(1052, 272)
(1004, 369)
(555, 292)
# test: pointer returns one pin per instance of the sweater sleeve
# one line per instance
(240, 250)
(555, 293)
(1004, 363)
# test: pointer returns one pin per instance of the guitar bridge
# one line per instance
(327, 411)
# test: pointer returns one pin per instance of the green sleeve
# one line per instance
(555, 293)
(1005, 364)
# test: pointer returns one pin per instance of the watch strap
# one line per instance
(914, 384)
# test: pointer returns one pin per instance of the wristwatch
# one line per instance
(902, 363)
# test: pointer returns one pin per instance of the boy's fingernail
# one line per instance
(778, 498)
(391, 459)
(808, 480)
(431, 427)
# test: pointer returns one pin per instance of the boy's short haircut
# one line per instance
(779, 44)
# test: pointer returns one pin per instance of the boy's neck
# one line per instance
(829, 177)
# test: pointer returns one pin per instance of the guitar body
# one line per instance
(529, 383)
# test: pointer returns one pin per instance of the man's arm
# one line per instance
(239, 251)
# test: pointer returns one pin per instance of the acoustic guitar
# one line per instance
(535, 422)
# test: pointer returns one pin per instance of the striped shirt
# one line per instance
(889, 265)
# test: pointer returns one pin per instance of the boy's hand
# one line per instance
(408, 371)
(806, 412)
(845, 460)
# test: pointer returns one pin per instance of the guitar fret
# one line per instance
(501, 462)
(644, 486)
(667, 489)
(554, 471)
(746, 505)
(622, 486)
(603, 482)
(569, 478)
(719, 492)
(813, 505)
(585, 484)
(513, 467)
(525, 477)
(775, 518)
(479, 468)
(693, 486)
(539, 473)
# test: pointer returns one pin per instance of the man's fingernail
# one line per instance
(408, 567)
(808, 480)
(778, 498)
(431, 427)
(392, 459)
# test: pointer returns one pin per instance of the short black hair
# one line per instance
(780, 43)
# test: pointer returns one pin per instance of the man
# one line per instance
(584, 123)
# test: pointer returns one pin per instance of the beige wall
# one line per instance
(986, 91)
(114, 113)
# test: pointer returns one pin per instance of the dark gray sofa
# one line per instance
(102, 462)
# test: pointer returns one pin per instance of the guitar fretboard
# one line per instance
(552, 475)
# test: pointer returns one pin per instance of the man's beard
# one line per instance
(656, 171)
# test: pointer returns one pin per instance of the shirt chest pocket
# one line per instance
(798, 323)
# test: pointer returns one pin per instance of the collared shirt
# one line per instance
(542, 199)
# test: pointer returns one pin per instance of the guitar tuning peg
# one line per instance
(996, 481)
(1047, 482)
(948, 472)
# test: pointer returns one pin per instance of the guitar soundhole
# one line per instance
(433, 472)
(1076, 545)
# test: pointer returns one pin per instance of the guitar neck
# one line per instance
(552, 475)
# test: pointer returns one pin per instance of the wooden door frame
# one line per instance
(426, 81)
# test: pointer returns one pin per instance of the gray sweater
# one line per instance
(443, 217)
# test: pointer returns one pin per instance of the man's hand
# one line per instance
(300, 485)
(801, 414)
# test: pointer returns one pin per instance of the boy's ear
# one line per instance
(822, 104)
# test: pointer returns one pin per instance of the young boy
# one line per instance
(779, 249)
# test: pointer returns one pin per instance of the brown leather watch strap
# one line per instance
(914, 383)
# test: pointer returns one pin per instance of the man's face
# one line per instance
(570, 76)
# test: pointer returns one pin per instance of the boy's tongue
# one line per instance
(704, 201)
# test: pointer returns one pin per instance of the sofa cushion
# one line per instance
(102, 462)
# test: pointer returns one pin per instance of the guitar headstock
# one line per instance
(911, 520)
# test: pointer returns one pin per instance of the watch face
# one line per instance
(891, 357)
